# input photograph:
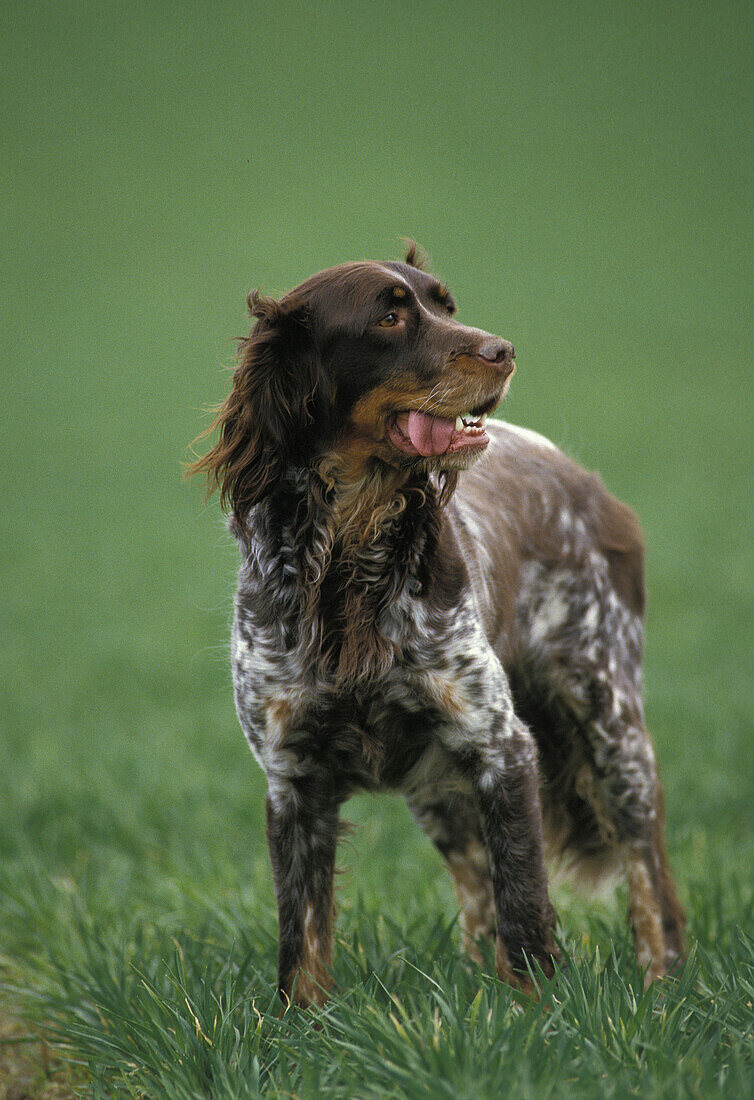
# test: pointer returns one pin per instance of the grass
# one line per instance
(174, 997)
(591, 203)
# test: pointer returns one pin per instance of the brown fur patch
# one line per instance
(646, 919)
(446, 692)
(355, 508)
(279, 710)
(314, 980)
(587, 787)
(279, 715)
(415, 254)
(506, 973)
(370, 414)
(622, 541)
(673, 916)
(364, 498)
(470, 871)
(266, 421)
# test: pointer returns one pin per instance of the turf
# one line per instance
(580, 175)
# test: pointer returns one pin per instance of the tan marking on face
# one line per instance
(452, 393)
(365, 437)
(371, 412)
(508, 380)
(646, 920)
(399, 292)
(314, 978)
(469, 363)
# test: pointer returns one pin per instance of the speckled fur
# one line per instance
(482, 657)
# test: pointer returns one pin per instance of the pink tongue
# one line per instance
(431, 435)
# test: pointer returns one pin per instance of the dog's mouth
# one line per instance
(419, 433)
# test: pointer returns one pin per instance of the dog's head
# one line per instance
(365, 359)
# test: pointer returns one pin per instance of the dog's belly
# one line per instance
(385, 737)
(371, 740)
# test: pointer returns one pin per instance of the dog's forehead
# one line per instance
(354, 285)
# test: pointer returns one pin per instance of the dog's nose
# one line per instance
(497, 352)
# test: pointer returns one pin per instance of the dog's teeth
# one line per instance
(469, 424)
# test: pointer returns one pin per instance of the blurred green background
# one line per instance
(579, 173)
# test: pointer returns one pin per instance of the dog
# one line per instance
(434, 603)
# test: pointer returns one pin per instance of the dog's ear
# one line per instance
(415, 254)
(276, 401)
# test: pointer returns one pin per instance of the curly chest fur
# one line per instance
(347, 656)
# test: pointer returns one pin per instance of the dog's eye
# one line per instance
(389, 320)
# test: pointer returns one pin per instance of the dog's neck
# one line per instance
(369, 503)
(341, 550)
(377, 522)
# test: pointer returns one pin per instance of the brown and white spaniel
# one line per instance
(434, 603)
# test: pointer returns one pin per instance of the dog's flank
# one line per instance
(476, 648)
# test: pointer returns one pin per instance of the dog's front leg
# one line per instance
(507, 789)
(302, 833)
(502, 766)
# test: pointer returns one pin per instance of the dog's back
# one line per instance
(528, 505)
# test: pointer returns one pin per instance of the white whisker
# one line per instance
(428, 404)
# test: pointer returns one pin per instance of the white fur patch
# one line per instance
(530, 436)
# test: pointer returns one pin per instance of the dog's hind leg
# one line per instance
(627, 807)
(497, 762)
(452, 822)
(615, 806)
(580, 689)
(657, 918)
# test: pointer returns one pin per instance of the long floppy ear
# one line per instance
(267, 422)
